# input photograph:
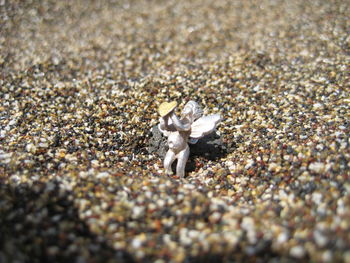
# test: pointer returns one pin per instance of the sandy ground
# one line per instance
(80, 83)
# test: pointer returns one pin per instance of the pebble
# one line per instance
(282, 238)
(102, 175)
(297, 251)
(138, 241)
(317, 167)
(320, 239)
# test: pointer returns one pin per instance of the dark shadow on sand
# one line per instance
(39, 223)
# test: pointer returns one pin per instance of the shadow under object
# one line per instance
(211, 147)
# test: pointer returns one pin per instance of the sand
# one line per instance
(80, 84)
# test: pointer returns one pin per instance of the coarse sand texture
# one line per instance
(80, 86)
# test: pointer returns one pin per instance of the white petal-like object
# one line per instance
(204, 125)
